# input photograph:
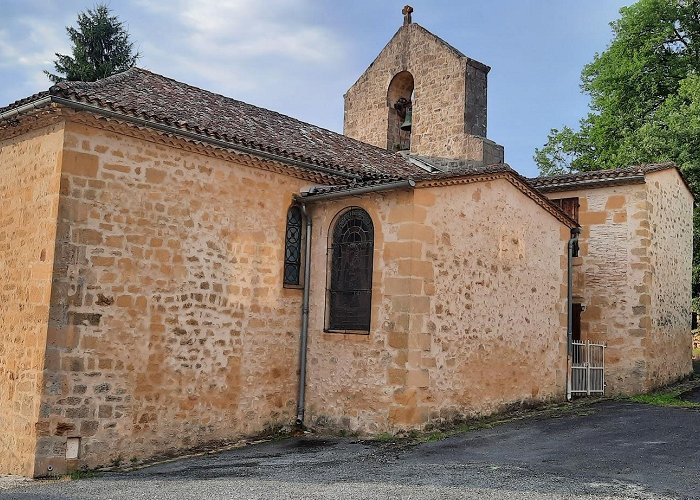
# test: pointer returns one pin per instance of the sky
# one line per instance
(299, 57)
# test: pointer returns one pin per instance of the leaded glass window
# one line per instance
(292, 247)
(350, 286)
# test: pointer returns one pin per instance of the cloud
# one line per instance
(31, 41)
(259, 52)
(248, 29)
(27, 47)
(229, 46)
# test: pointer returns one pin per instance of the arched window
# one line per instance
(292, 247)
(350, 284)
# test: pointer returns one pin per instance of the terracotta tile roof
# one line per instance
(337, 188)
(141, 94)
(458, 174)
(145, 95)
(446, 168)
(597, 178)
(467, 169)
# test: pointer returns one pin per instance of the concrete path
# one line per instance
(608, 450)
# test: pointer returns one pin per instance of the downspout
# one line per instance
(570, 307)
(303, 337)
(301, 393)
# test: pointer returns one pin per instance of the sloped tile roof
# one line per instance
(146, 95)
(141, 94)
(24, 100)
(597, 178)
(157, 100)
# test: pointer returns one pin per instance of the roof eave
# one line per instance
(80, 106)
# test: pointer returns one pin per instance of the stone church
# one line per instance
(180, 268)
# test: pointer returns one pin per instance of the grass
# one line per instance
(433, 436)
(385, 437)
(670, 398)
(696, 353)
(81, 474)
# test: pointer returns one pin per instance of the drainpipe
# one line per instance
(570, 307)
(301, 393)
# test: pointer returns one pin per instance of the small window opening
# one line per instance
(292, 247)
(576, 310)
(569, 206)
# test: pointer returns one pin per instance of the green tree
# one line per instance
(101, 48)
(645, 101)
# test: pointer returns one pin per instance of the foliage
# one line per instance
(101, 48)
(645, 101)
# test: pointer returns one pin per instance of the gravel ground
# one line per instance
(611, 450)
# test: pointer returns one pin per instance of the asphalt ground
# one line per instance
(610, 449)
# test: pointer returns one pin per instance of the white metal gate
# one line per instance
(587, 368)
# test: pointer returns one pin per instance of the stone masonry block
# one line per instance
(81, 164)
(418, 378)
(591, 218)
(615, 202)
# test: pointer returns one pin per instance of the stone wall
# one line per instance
(467, 313)
(449, 106)
(351, 377)
(633, 279)
(169, 324)
(498, 315)
(613, 277)
(29, 184)
(669, 344)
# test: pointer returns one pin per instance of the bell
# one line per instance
(408, 121)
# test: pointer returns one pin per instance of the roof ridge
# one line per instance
(102, 82)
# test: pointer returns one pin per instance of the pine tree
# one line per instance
(101, 48)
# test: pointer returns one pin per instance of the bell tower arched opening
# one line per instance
(400, 109)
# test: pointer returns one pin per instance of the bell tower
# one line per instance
(423, 96)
